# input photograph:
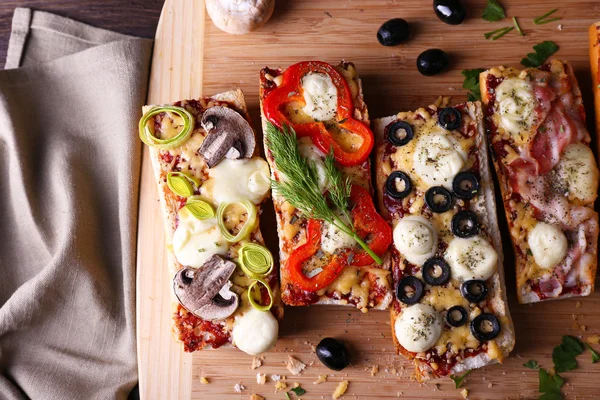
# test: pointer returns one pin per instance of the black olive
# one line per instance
(399, 133)
(432, 62)
(406, 296)
(465, 185)
(398, 185)
(451, 316)
(474, 291)
(450, 118)
(438, 199)
(486, 332)
(333, 354)
(465, 224)
(449, 11)
(429, 269)
(393, 32)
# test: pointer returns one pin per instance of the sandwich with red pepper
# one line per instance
(333, 243)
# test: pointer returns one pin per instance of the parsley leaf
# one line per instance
(550, 385)
(564, 355)
(595, 355)
(532, 364)
(493, 11)
(471, 83)
(542, 52)
(299, 391)
(458, 379)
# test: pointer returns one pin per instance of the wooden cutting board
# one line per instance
(192, 58)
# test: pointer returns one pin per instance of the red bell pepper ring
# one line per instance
(366, 222)
(291, 90)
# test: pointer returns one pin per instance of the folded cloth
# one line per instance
(70, 99)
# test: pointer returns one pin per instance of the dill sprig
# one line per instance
(300, 187)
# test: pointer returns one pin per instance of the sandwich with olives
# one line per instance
(449, 312)
(211, 185)
(333, 243)
(548, 176)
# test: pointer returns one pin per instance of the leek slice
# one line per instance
(248, 225)
(199, 208)
(255, 260)
(181, 183)
(148, 137)
(251, 299)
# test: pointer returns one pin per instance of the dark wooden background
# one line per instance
(132, 17)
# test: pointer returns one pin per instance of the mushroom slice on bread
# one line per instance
(205, 292)
(239, 16)
(228, 135)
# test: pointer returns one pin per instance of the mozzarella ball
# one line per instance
(416, 239)
(418, 328)
(548, 245)
(471, 258)
(255, 331)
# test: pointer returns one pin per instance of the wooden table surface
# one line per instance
(131, 17)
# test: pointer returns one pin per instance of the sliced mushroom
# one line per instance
(239, 16)
(206, 291)
(229, 135)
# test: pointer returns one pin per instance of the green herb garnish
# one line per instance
(565, 354)
(201, 250)
(339, 187)
(299, 391)
(301, 184)
(542, 52)
(550, 385)
(287, 396)
(516, 23)
(595, 354)
(471, 83)
(493, 11)
(498, 33)
(542, 20)
(458, 379)
(532, 364)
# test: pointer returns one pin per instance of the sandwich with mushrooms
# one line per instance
(211, 185)
(449, 312)
(333, 243)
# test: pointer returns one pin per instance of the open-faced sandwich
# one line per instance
(333, 243)
(211, 185)
(548, 175)
(450, 312)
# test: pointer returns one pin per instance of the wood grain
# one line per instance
(331, 31)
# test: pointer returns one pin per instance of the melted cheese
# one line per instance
(438, 158)
(418, 328)
(237, 180)
(472, 258)
(444, 297)
(195, 241)
(255, 331)
(310, 152)
(577, 171)
(416, 239)
(548, 245)
(515, 107)
(332, 238)
(352, 281)
(320, 96)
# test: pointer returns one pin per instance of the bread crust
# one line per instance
(594, 34)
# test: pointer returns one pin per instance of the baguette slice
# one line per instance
(193, 332)
(595, 67)
(548, 176)
(420, 330)
(365, 287)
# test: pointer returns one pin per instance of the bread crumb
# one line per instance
(261, 379)
(204, 381)
(256, 397)
(238, 387)
(393, 371)
(490, 385)
(320, 379)
(578, 304)
(280, 385)
(294, 365)
(559, 27)
(340, 390)
(277, 378)
(583, 328)
(364, 310)
(374, 370)
(257, 362)
(464, 393)
(594, 339)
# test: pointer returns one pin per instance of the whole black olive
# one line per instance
(457, 316)
(449, 11)
(400, 133)
(432, 62)
(393, 32)
(409, 290)
(465, 185)
(431, 267)
(474, 290)
(438, 199)
(465, 224)
(333, 354)
(485, 327)
(450, 118)
(398, 185)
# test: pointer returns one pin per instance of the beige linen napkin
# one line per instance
(69, 170)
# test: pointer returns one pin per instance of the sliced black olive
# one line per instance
(438, 199)
(398, 185)
(400, 133)
(457, 316)
(485, 327)
(465, 185)
(450, 118)
(333, 354)
(449, 11)
(409, 290)
(474, 291)
(465, 224)
(432, 62)
(436, 271)
(393, 32)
